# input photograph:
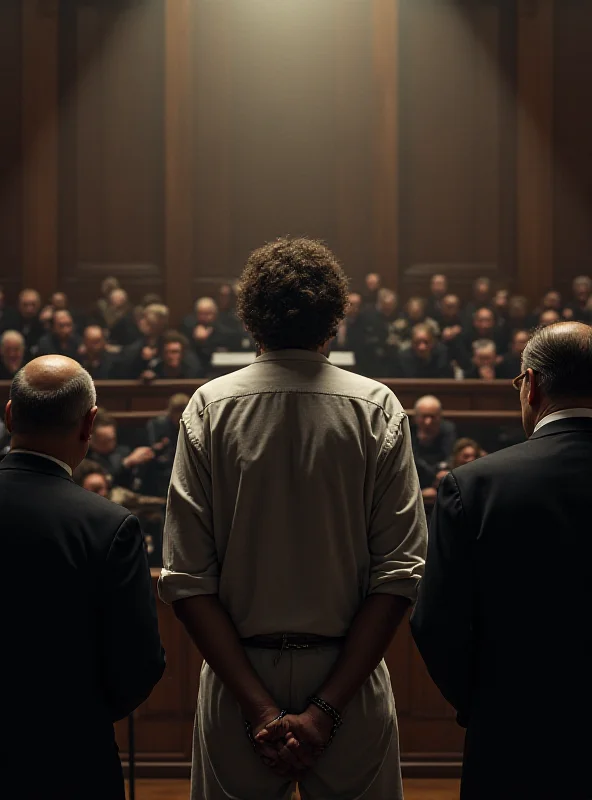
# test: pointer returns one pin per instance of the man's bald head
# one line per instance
(560, 355)
(51, 395)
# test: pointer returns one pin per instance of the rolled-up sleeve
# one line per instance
(397, 536)
(190, 562)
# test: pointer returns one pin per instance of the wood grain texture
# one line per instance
(11, 148)
(40, 32)
(414, 789)
(534, 178)
(385, 208)
(179, 156)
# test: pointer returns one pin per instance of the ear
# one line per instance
(533, 389)
(8, 416)
(87, 425)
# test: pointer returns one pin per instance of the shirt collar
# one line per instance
(567, 413)
(292, 355)
(57, 461)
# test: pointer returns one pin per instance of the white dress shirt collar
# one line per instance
(567, 413)
(57, 461)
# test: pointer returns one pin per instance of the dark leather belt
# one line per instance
(291, 641)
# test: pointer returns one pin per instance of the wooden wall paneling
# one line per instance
(113, 113)
(40, 28)
(450, 127)
(11, 148)
(212, 167)
(386, 37)
(354, 140)
(179, 153)
(283, 121)
(535, 98)
(572, 127)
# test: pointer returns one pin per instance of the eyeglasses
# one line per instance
(517, 382)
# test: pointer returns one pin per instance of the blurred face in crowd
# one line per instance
(104, 439)
(225, 297)
(416, 310)
(354, 306)
(94, 341)
(206, 313)
(582, 290)
(97, 484)
(63, 327)
(552, 300)
(59, 301)
(118, 298)
(372, 281)
(173, 354)
(481, 291)
(387, 303)
(29, 304)
(549, 317)
(438, 285)
(484, 322)
(428, 416)
(466, 455)
(517, 309)
(422, 343)
(450, 307)
(13, 351)
(485, 357)
(519, 342)
(154, 324)
(501, 300)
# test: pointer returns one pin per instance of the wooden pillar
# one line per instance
(40, 144)
(179, 144)
(385, 19)
(535, 146)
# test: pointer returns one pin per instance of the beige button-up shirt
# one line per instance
(294, 495)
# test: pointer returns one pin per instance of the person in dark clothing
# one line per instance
(485, 361)
(28, 322)
(8, 316)
(163, 432)
(516, 666)
(481, 299)
(121, 323)
(227, 316)
(12, 354)
(484, 327)
(62, 340)
(121, 463)
(380, 355)
(84, 633)
(426, 358)
(511, 363)
(100, 364)
(351, 330)
(177, 361)
(372, 286)
(432, 437)
(578, 309)
(551, 302)
(519, 317)
(139, 359)
(59, 302)
(206, 333)
(438, 291)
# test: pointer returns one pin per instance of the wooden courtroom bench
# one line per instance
(469, 395)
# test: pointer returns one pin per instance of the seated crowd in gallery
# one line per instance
(430, 337)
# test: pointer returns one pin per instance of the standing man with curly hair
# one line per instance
(294, 544)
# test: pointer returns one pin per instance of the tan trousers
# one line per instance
(361, 764)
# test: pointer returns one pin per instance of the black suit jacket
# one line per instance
(503, 619)
(49, 345)
(81, 639)
(437, 366)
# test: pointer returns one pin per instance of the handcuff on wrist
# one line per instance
(330, 711)
(249, 726)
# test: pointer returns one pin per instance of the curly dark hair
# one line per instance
(293, 294)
